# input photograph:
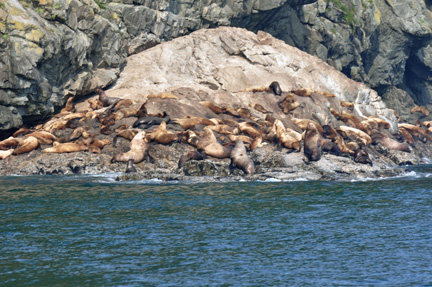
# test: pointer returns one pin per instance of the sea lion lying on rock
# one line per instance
(382, 139)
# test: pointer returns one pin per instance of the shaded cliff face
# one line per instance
(51, 50)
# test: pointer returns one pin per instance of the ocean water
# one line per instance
(94, 231)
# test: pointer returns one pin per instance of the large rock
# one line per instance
(51, 50)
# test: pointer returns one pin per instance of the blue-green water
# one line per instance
(92, 231)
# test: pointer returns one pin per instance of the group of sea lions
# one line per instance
(229, 135)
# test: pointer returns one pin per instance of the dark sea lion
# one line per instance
(130, 166)
(329, 146)
(362, 156)
(329, 132)
(106, 101)
(312, 148)
(191, 155)
(240, 159)
(275, 88)
(384, 140)
(149, 121)
(137, 152)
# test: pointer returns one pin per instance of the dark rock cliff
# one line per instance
(52, 50)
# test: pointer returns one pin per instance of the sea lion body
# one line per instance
(130, 166)
(384, 140)
(210, 145)
(312, 137)
(65, 148)
(149, 121)
(191, 155)
(362, 156)
(240, 159)
(137, 152)
(27, 145)
(106, 101)
(275, 88)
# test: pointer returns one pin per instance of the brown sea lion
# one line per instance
(69, 107)
(415, 131)
(95, 104)
(289, 103)
(213, 107)
(303, 124)
(351, 120)
(106, 101)
(275, 88)
(240, 159)
(124, 113)
(100, 143)
(259, 108)
(312, 139)
(284, 138)
(329, 132)
(191, 155)
(384, 140)
(419, 109)
(162, 135)
(257, 142)
(43, 137)
(348, 105)
(21, 131)
(210, 145)
(65, 148)
(130, 166)
(303, 92)
(362, 156)
(10, 142)
(224, 129)
(137, 152)
(407, 136)
(123, 104)
(243, 138)
(188, 122)
(163, 95)
(27, 145)
(5, 153)
(360, 136)
(249, 129)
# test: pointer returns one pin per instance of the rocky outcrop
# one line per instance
(52, 50)
(221, 76)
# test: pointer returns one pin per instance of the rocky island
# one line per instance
(185, 105)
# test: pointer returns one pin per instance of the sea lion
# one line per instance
(149, 121)
(10, 142)
(284, 138)
(312, 137)
(191, 155)
(106, 101)
(259, 108)
(419, 109)
(350, 132)
(348, 105)
(407, 136)
(303, 92)
(275, 88)
(65, 148)
(162, 135)
(27, 145)
(210, 145)
(21, 131)
(162, 95)
(240, 159)
(5, 153)
(130, 166)
(100, 143)
(224, 129)
(137, 152)
(415, 131)
(249, 129)
(329, 146)
(384, 140)
(43, 137)
(303, 124)
(188, 122)
(213, 107)
(123, 104)
(243, 138)
(329, 132)
(69, 107)
(257, 142)
(289, 103)
(124, 113)
(351, 120)
(362, 156)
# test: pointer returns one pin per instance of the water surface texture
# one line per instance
(92, 231)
